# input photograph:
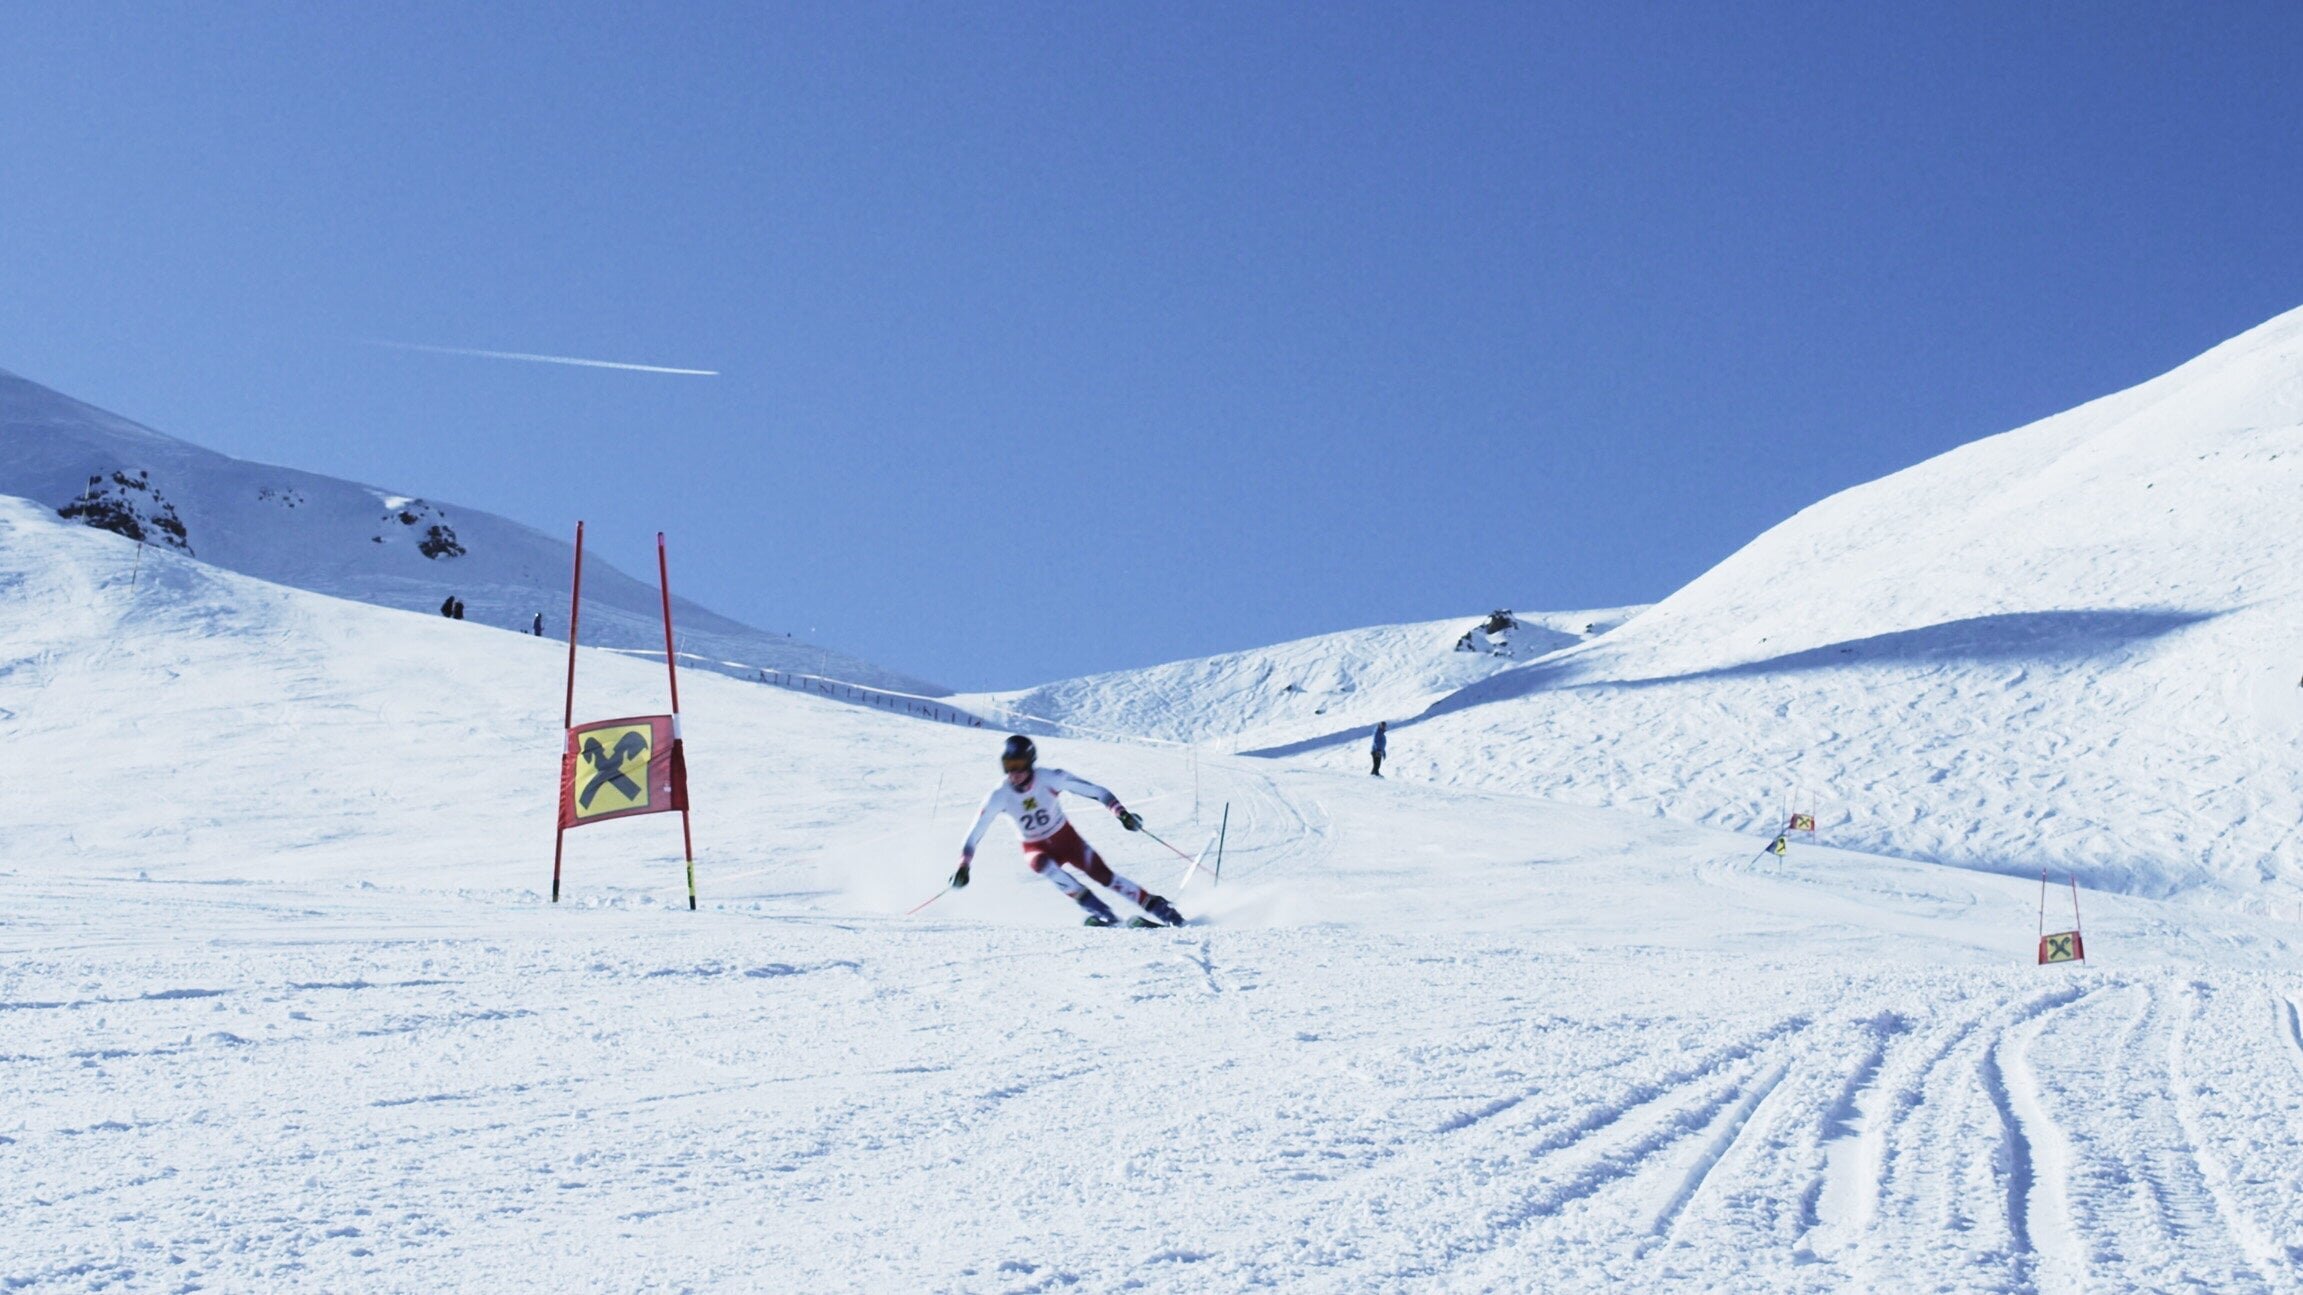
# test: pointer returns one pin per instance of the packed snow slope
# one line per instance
(2075, 645)
(283, 1006)
(353, 541)
(1301, 689)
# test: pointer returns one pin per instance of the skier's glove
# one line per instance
(1132, 822)
(960, 878)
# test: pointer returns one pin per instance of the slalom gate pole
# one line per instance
(575, 610)
(559, 842)
(2075, 922)
(2043, 903)
(929, 900)
(1222, 830)
(568, 713)
(664, 582)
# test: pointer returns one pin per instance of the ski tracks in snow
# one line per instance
(1992, 1132)
(2047, 1142)
(2288, 1025)
(1920, 1124)
(1726, 1130)
(2106, 1171)
(1393, 1113)
(2192, 1099)
(1589, 1161)
(2036, 1155)
(2075, 1110)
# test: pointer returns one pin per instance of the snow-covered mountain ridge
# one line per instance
(2072, 645)
(348, 540)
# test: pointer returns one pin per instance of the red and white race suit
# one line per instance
(1050, 842)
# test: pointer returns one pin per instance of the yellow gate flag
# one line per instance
(614, 768)
(2063, 946)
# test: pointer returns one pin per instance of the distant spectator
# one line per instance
(458, 613)
(1376, 749)
(448, 606)
(537, 629)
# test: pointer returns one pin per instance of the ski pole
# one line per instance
(929, 900)
(1170, 849)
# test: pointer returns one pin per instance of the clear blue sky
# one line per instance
(1066, 337)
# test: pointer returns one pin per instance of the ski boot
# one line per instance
(1099, 913)
(1162, 910)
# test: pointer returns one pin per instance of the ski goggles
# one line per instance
(1015, 763)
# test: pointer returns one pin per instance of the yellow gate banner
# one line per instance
(615, 768)
(2063, 946)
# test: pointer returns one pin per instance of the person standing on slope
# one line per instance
(1376, 750)
(1028, 795)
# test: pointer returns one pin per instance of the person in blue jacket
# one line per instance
(1377, 749)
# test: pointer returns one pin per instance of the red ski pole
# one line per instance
(929, 900)
(1170, 849)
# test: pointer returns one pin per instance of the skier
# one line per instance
(1377, 749)
(537, 628)
(1029, 796)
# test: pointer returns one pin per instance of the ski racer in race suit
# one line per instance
(1030, 796)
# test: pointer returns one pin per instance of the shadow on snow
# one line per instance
(2046, 638)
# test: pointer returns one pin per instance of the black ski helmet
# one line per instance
(1019, 747)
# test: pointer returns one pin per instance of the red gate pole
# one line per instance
(671, 671)
(568, 713)
(575, 609)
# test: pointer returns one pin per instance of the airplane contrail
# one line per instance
(541, 359)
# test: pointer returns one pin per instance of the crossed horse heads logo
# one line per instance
(608, 767)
